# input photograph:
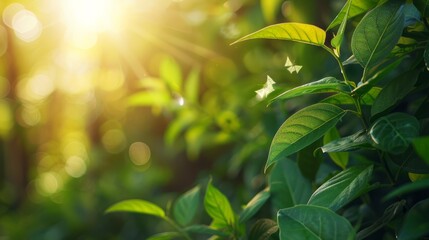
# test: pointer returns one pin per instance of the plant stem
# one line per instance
(343, 72)
(178, 228)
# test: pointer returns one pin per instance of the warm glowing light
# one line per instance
(89, 15)
(26, 25)
(114, 140)
(48, 183)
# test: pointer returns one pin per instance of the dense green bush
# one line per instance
(353, 164)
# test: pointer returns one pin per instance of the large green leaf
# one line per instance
(357, 7)
(325, 85)
(137, 206)
(186, 206)
(313, 222)
(421, 146)
(416, 222)
(394, 91)
(297, 32)
(420, 185)
(349, 143)
(342, 188)
(302, 129)
(264, 229)
(377, 33)
(288, 186)
(393, 133)
(339, 158)
(309, 160)
(218, 207)
(254, 205)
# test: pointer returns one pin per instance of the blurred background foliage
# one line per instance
(106, 100)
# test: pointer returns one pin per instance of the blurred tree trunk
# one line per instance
(16, 156)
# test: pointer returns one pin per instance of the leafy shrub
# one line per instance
(327, 177)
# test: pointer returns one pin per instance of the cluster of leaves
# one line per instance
(373, 181)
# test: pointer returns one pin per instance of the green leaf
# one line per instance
(325, 85)
(426, 57)
(313, 222)
(192, 86)
(342, 188)
(394, 91)
(349, 143)
(164, 236)
(339, 158)
(411, 15)
(394, 132)
(264, 229)
(309, 160)
(254, 205)
(421, 146)
(186, 206)
(297, 32)
(149, 98)
(391, 212)
(171, 73)
(419, 185)
(416, 222)
(303, 128)
(338, 39)
(345, 99)
(218, 207)
(269, 9)
(206, 230)
(377, 33)
(137, 206)
(357, 7)
(287, 185)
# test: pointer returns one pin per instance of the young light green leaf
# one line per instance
(313, 222)
(171, 73)
(339, 158)
(342, 188)
(421, 146)
(393, 133)
(186, 206)
(391, 212)
(288, 186)
(192, 86)
(149, 98)
(394, 91)
(338, 39)
(297, 32)
(206, 230)
(416, 222)
(325, 85)
(349, 143)
(264, 229)
(303, 128)
(254, 205)
(218, 207)
(377, 33)
(137, 206)
(357, 7)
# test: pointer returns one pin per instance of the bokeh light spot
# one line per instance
(114, 140)
(75, 166)
(48, 183)
(26, 25)
(139, 153)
